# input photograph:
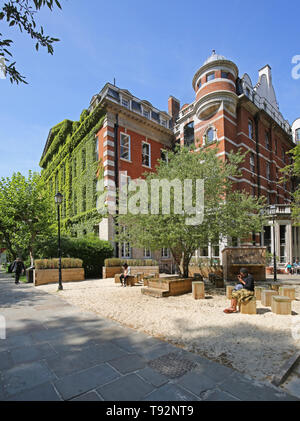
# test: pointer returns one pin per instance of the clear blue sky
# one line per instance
(152, 49)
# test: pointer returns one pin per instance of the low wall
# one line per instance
(174, 286)
(110, 272)
(50, 276)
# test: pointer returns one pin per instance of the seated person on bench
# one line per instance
(125, 274)
(244, 294)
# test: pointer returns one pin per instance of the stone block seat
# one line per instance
(266, 297)
(286, 291)
(249, 307)
(281, 305)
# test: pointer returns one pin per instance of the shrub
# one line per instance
(89, 249)
(66, 263)
(130, 262)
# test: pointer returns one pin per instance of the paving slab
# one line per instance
(171, 392)
(25, 376)
(196, 382)
(152, 376)
(248, 390)
(128, 363)
(88, 397)
(78, 383)
(43, 393)
(31, 353)
(130, 387)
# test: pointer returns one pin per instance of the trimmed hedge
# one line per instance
(130, 262)
(89, 249)
(66, 263)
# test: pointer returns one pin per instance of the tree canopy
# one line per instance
(226, 212)
(22, 14)
(25, 213)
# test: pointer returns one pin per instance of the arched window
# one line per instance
(189, 134)
(210, 135)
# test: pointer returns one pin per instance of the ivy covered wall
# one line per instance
(70, 165)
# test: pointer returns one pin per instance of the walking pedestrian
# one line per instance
(17, 267)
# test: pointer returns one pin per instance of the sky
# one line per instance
(153, 49)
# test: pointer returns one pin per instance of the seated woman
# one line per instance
(244, 294)
(289, 268)
(125, 274)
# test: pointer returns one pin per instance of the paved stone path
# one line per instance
(54, 351)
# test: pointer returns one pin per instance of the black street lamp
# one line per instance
(58, 201)
(272, 213)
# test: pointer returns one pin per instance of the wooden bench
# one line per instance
(131, 280)
(281, 305)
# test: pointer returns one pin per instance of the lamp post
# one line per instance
(58, 201)
(272, 213)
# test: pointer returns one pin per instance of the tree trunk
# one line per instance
(177, 254)
(185, 264)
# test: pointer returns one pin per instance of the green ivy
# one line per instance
(70, 165)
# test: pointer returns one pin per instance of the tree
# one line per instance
(25, 213)
(226, 212)
(292, 172)
(22, 13)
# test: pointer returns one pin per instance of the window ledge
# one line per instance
(126, 160)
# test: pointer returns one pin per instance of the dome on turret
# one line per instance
(214, 57)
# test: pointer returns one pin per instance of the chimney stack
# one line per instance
(173, 107)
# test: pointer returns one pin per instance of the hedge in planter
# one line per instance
(90, 249)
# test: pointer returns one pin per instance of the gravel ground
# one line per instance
(257, 345)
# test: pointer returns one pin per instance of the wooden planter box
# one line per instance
(169, 287)
(50, 276)
(110, 272)
(204, 271)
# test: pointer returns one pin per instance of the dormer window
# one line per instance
(155, 116)
(146, 113)
(114, 94)
(164, 123)
(125, 102)
(136, 106)
(210, 76)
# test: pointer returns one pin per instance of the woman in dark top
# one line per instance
(243, 295)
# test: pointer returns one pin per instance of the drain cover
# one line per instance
(172, 365)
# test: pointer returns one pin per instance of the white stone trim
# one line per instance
(108, 143)
(108, 152)
(108, 163)
(108, 172)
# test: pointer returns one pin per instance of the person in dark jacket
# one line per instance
(17, 268)
(242, 295)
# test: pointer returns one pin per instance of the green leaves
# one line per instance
(25, 212)
(22, 13)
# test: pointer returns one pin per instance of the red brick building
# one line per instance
(228, 113)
